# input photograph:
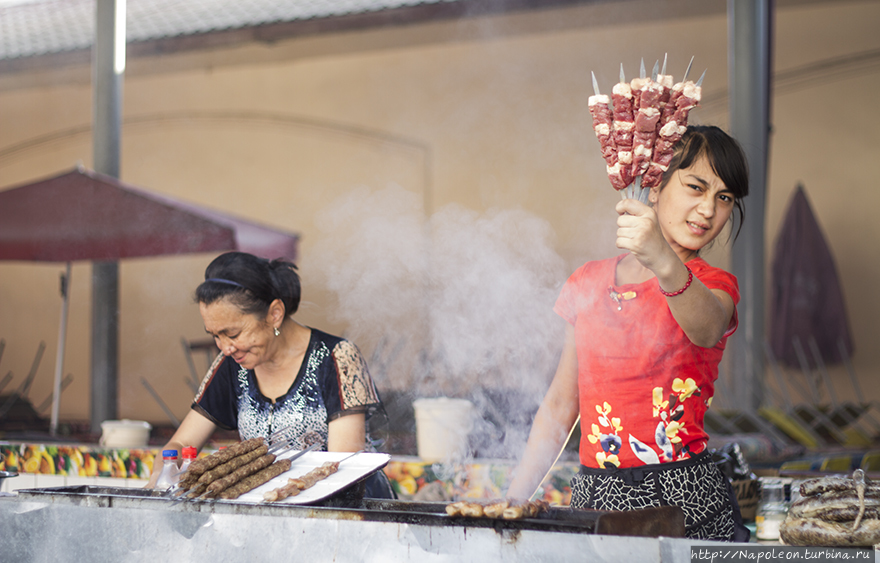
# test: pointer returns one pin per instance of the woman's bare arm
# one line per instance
(347, 433)
(555, 417)
(195, 430)
(703, 314)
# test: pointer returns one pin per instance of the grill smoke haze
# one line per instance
(459, 305)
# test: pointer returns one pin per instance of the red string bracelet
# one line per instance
(680, 291)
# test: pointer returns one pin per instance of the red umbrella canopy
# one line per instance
(84, 215)
(807, 298)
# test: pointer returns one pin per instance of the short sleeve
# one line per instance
(716, 278)
(566, 303)
(356, 392)
(216, 397)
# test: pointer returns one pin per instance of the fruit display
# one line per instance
(77, 460)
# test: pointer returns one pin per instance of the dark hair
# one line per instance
(725, 156)
(250, 282)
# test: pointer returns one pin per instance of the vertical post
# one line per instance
(749, 52)
(108, 69)
(59, 356)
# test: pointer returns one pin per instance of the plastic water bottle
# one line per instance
(169, 475)
(189, 454)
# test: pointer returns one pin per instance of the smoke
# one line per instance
(458, 304)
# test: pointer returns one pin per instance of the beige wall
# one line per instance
(352, 139)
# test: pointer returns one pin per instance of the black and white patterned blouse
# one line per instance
(333, 381)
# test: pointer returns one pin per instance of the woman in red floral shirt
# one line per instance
(646, 331)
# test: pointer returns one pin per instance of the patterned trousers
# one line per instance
(696, 485)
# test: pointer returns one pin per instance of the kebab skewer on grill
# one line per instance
(508, 509)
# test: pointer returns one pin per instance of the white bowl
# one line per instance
(125, 433)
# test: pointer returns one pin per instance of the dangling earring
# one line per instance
(277, 332)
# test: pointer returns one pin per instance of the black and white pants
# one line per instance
(696, 485)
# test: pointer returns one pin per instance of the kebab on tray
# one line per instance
(307, 481)
(638, 125)
(232, 471)
(294, 486)
(834, 512)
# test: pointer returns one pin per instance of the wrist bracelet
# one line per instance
(680, 291)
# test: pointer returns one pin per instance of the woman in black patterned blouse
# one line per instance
(273, 372)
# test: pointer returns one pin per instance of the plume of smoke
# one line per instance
(458, 304)
(493, 281)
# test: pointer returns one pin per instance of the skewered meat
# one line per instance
(295, 485)
(648, 116)
(525, 509)
(255, 466)
(454, 509)
(472, 510)
(665, 83)
(309, 479)
(199, 466)
(622, 134)
(290, 489)
(197, 490)
(672, 124)
(600, 109)
(496, 509)
(253, 481)
(510, 509)
(233, 464)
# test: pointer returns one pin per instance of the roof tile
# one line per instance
(42, 27)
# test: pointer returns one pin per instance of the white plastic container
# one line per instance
(189, 455)
(170, 473)
(125, 433)
(442, 427)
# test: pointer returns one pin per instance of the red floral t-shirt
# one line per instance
(643, 386)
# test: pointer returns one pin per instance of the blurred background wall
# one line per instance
(443, 175)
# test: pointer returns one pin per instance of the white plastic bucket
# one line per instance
(442, 427)
(125, 433)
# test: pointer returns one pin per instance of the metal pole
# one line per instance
(59, 356)
(107, 77)
(750, 32)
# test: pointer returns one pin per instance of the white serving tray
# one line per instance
(351, 471)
